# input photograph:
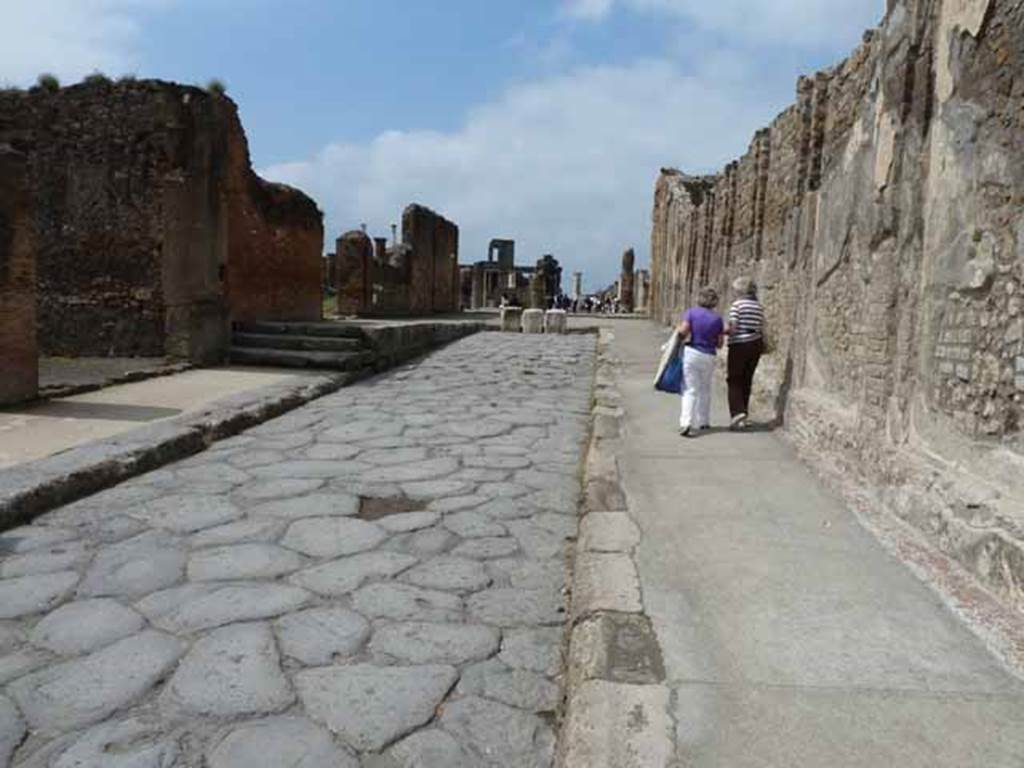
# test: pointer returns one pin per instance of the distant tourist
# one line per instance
(703, 332)
(746, 345)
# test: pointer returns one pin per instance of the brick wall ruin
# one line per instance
(883, 216)
(419, 276)
(19, 361)
(151, 230)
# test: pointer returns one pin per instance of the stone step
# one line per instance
(320, 330)
(292, 341)
(289, 358)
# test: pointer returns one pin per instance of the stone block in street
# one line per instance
(511, 319)
(533, 321)
(556, 321)
(605, 582)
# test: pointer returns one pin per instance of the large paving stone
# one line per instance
(537, 542)
(137, 566)
(423, 749)
(391, 457)
(427, 490)
(203, 606)
(516, 607)
(478, 428)
(131, 743)
(408, 522)
(423, 642)
(28, 537)
(300, 470)
(524, 573)
(430, 469)
(230, 672)
(242, 531)
(487, 548)
(11, 636)
(523, 690)
(279, 742)
(506, 509)
(69, 556)
(20, 663)
(340, 577)
(84, 626)
(535, 650)
(493, 461)
(425, 543)
(472, 525)
(243, 561)
(187, 513)
(12, 730)
(316, 636)
(332, 537)
(451, 574)
(456, 503)
(76, 693)
(26, 595)
(499, 734)
(332, 452)
(277, 487)
(402, 602)
(361, 430)
(254, 458)
(210, 472)
(314, 505)
(368, 706)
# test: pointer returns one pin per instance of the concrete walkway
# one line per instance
(790, 636)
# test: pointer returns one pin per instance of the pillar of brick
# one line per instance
(19, 356)
(353, 256)
(627, 294)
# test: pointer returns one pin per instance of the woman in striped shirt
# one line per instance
(746, 344)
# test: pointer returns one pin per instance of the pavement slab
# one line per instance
(332, 588)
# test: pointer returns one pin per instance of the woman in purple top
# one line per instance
(704, 330)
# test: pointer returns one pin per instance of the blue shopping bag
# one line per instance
(670, 370)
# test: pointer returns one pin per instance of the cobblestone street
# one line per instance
(375, 580)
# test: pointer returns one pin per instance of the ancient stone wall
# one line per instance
(19, 369)
(151, 229)
(434, 259)
(883, 217)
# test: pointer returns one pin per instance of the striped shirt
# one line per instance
(746, 318)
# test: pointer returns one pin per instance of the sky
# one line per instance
(544, 121)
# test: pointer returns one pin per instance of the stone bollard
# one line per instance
(533, 321)
(556, 321)
(511, 319)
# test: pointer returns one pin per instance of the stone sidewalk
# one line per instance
(376, 579)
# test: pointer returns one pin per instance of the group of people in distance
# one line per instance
(704, 332)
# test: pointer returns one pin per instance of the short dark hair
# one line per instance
(708, 297)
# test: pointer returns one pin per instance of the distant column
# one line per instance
(19, 356)
(537, 292)
(577, 285)
(626, 283)
(476, 293)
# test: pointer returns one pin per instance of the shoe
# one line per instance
(685, 432)
(739, 421)
(705, 428)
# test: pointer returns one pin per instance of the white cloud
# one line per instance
(69, 38)
(590, 10)
(564, 165)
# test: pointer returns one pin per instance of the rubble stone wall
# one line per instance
(883, 217)
(18, 357)
(151, 229)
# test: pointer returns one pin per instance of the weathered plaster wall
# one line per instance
(19, 369)
(151, 229)
(883, 216)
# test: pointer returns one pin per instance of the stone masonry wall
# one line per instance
(883, 217)
(434, 254)
(19, 379)
(150, 226)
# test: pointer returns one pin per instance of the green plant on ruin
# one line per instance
(128, 77)
(48, 82)
(216, 87)
(96, 78)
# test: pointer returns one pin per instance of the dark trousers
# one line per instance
(743, 360)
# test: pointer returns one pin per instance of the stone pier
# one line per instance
(19, 364)
(627, 294)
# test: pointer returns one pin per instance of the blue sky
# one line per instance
(541, 120)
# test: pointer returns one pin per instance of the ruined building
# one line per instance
(484, 283)
(418, 276)
(627, 281)
(883, 217)
(150, 232)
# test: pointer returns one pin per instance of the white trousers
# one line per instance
(698, 370)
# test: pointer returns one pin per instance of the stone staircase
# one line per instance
(330, 346)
